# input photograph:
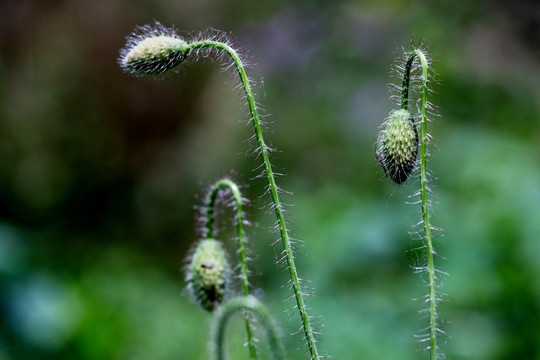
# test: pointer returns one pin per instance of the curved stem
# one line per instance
(273, 188)
(211, 231)
(430, 252)
(224, 314)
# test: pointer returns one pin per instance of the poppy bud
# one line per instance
(397, 145)
(154, 51)
(208, 274)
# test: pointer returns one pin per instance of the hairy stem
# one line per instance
(273, 188)
(419, 55)
(224, 314)
(211, 231)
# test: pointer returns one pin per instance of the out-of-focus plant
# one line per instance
(203, 266)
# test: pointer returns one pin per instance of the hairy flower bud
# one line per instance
(397, 145)
(208, 274)
(154, 51)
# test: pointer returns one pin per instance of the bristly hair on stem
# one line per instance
(399, 144)
(139, 52)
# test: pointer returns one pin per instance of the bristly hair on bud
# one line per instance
(397, 145)
(208, 274)
(152, 49)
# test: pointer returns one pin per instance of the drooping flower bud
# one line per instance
(397, 145)
(154, 50)
(207, 274)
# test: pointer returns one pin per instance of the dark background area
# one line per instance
(100, 174)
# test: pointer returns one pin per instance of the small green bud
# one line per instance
(208, 274)
(154, 51)
(397, 145)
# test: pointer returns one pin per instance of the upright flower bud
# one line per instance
(154, 51)
(397, 145)
(208, 274)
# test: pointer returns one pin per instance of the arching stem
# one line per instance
(272, 187)
(419, 55)
(225, 312)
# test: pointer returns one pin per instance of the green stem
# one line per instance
(211, 231)
(273, 188)
(224, 313)
(430, 251)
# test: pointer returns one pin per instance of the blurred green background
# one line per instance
(100, 174)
